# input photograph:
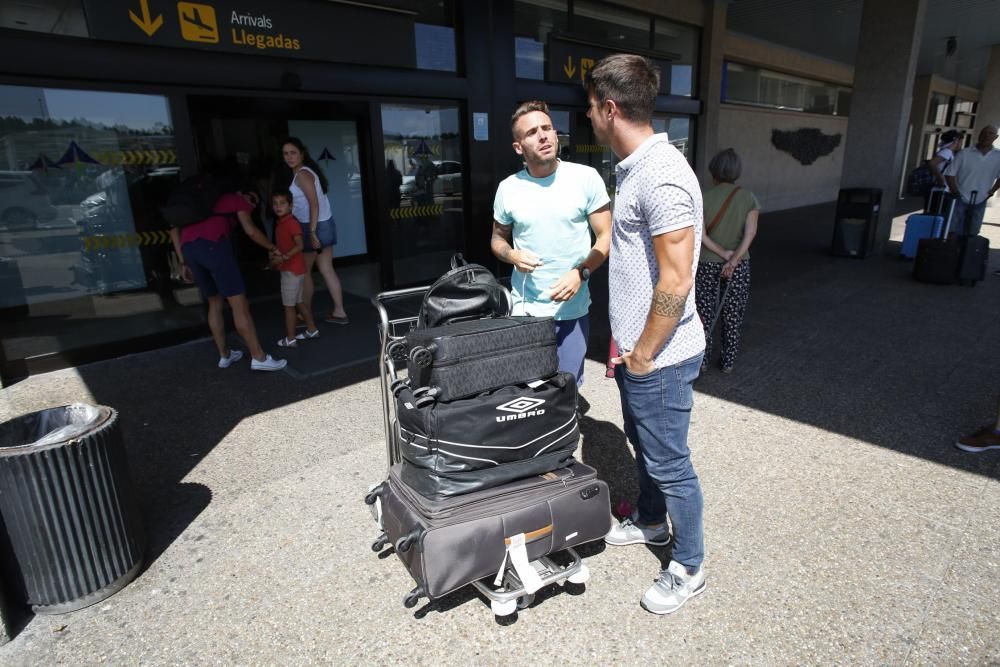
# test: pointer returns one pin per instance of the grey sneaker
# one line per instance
(630, 531)
(673, 588)
(234, 356)
(268, 363)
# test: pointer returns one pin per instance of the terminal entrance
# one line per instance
(86, 264)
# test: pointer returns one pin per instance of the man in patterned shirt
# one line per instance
(655, 241)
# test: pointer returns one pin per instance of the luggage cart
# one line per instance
(398, 312)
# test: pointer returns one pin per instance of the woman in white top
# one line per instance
(951, 142)
(311, 206)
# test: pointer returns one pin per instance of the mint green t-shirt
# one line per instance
(549, 218)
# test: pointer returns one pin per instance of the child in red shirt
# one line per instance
(289, 260)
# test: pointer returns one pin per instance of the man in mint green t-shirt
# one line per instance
(543, 216)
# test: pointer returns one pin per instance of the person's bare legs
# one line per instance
(307, 286)
(307, 317)
(325, 262)
(217, 325)
(245, 326)
(290, 323)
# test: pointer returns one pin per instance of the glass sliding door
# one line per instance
(423, 153)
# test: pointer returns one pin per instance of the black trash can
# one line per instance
(68, 510)
(856, 221)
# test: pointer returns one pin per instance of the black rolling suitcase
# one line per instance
(937, 259)
(456, 447)
(466, 358)
(973, 256)
(448, 544)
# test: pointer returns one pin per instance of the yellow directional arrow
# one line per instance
(569, 67)
(147, 24)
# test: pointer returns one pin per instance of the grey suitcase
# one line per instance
(450, 543)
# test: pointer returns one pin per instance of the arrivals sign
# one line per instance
(569, 61)
(334, 31)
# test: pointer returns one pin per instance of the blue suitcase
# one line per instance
(920, 226)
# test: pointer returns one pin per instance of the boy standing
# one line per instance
(289, 260)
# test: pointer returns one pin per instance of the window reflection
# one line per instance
(82, 176)
(423, 149)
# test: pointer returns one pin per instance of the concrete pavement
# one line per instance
(842, 526)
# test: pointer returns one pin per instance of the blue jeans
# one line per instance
(571, 345)
(968, 220)
(657, 412)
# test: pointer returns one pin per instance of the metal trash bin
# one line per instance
(67, 507)
(856, 221)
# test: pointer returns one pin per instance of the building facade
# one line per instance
(106, 104)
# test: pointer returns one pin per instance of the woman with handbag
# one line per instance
(730, 226)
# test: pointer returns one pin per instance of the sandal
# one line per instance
(333, 319)
(307, 334)
(287, 342)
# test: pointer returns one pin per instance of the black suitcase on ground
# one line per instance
(466, 358)
(937, 261)
(450, 448)
(448, 544)
(937, 258)
(974, 253)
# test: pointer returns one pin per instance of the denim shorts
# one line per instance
(213, 267)
(326, 230)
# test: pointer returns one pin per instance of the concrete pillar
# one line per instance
(988, 112)
(713, 40)
(884, 70)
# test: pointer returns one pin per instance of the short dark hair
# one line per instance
(726, 166)
(284, 194)
(950, 136)
(525, 108)
(631, 81)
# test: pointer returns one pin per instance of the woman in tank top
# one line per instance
(311, 206)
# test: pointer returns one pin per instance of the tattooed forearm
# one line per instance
(668, 305)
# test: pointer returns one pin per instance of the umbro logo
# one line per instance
(522, 408)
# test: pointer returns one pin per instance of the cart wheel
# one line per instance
(397, 350)
(581, 576)
(525, 600)
(380, 543)
(410, 599)
(404, 543)
(421, 357)
(503, 608)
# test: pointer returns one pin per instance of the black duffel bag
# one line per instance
(456, 447)
(466, 292)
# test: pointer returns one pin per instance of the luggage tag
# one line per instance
(518, 553)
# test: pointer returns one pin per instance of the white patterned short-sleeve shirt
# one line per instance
(656, 192)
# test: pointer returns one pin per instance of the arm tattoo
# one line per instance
(668, 305)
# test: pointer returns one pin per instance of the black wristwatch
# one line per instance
(584, 272)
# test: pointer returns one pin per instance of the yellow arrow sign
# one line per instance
(569, 67)
(147, 24)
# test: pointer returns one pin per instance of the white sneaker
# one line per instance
(673, 588)
(268, 363)
(234, 356)
(630, 531)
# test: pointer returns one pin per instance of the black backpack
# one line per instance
(467, 292)
(192, 201)
(920, 181)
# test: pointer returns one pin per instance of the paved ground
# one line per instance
(842, 527)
